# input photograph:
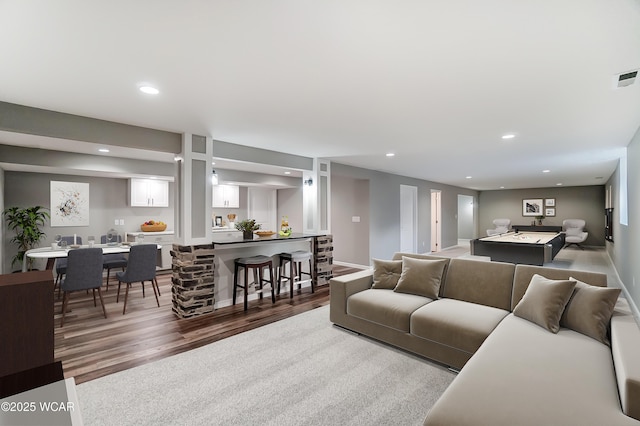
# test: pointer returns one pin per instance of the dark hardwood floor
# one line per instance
(91, 346)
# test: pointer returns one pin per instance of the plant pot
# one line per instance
(247, 235)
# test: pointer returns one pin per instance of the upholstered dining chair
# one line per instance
(575, 233)
(501, 226)
(140, 267)
(84, 272)
(61, 264)
(113, 260)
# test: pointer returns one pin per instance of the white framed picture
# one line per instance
(69, 203)
(532, 207)
(549, 202)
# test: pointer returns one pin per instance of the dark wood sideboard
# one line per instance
(26, 324)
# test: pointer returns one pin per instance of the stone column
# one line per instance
(323, 259)
(193, 279)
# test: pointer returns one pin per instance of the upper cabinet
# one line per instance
(226, 196)
(149, 193)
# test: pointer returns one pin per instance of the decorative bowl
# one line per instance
(153, 228)
(265, 233)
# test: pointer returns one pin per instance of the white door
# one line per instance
(408, 218)
(436, 227)
(262, 206)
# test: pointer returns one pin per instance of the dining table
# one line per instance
(51, 254)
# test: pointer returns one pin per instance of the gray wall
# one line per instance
(625, 248)
(384, 209)
(290, 205)
(578, 202)
(108, 200)
(350, 197)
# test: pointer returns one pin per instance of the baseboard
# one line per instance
(351, 265)
(634, 308)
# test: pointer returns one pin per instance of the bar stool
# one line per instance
(257, 264)
(295, 260)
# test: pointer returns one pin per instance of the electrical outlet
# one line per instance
(115, 222)
(121, 221)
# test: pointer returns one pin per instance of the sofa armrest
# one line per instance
(344, 286)
(625, 348)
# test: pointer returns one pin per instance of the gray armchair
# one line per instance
(61, 264)
(140, 267)
(83, 272)
(501, 226)
(574, 230)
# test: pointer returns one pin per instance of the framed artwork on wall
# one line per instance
(550, 202)
(550, 211)
(532, 207)
(69, 204)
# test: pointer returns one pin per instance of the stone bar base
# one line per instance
(193, 280)
(323, 255)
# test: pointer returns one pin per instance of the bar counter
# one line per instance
(203, 274)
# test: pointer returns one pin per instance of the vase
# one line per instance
(247, 235)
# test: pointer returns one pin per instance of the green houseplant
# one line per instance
(27, 223)
(247, 227)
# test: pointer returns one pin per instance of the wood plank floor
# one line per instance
(91, 346)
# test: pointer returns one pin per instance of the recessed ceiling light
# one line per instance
(468, 177)
(508, 136)
(149, 90)
(558, 184)
(287, 173)
(546, 171)
(103, 150)
(390, 154)
(502, 187)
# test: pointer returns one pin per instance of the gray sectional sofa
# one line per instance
(534, 345)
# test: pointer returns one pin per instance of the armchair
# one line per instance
(501, 226)
(574, 230)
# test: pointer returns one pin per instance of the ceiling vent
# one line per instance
(626, 79)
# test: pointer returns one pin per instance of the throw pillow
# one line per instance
(544, 301)
(589, 310)
(386, 273)
(421, 277)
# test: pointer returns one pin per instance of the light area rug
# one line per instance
(298, 371)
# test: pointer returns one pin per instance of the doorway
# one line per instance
(465, 219)
(436, 226)
(408, 218)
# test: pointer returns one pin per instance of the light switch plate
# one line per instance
(355, 219)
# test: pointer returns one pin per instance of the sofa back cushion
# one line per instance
(399, 255)
(524, 273)
(484, 283)
(421, 277)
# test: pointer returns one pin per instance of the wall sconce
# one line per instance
(308, 182)
(214, 178)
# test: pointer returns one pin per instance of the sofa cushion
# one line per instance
(589, 310)
(385, 307)
(523, 274)
(544, 301)
(421, 277)
(386, 273)
(461, 325)
(523, 375)
(485, 283)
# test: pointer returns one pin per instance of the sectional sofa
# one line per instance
(534, 345)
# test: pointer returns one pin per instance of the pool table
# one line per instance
(531, 248)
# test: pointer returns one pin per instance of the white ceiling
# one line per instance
(436, 82)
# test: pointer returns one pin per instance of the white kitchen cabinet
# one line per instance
(149, 193)
(226, 196)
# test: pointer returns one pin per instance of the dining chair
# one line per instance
(140, 267)
(61, 264)
(84, 272)
(113, 260)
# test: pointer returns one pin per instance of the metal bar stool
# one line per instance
(257, 264)
(295, 260)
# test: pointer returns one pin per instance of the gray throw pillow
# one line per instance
(544, 301)
(386, 273)
(421, 277)
(589, 310)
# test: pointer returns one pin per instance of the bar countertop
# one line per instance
(222, 240)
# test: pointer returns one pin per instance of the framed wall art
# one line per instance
(532, 207)
(549, 202)
(550, 211)
(69, 204)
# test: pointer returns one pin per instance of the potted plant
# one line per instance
(540, 218)
(247, 227)
(26, 222)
